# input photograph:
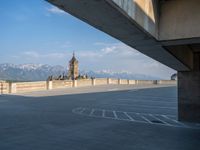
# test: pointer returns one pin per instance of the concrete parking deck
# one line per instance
(96, 118)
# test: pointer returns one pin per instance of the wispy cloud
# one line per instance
(36, 55)
(106, 44)
(66, 44)
(55, 10)
(115, 57)
(117, 49)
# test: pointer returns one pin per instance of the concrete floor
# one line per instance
(110, 118)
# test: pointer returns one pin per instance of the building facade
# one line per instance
(73, 71)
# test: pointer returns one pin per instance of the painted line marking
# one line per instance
(180, 123)
(145, 118)
(149, 96)
(103, 113)
(141, 115)
(129, 116)
(144, 106)
(115, 114)
(92, 111)
(83, 109)
(77, 109)
(159, 119)
(157, 101)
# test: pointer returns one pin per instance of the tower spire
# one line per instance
(73, 68)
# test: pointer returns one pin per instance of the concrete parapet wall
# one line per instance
(22, 87)
(101, 81)
(145, 82)
(132, 81)
(167, 82)
(61, 84)
(4, 87)
(84, 82)
(124, 81)
(113, 81)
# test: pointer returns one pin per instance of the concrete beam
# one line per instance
(143, 12)
(110, 16)
(179, 19)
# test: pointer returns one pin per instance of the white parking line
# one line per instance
(157, 101)
(103, 113)
(115, 114)
(129, 116)
(159, 119)
(92, 111)
(83, 109)
(174, 120)
(141, 117)
(144, 106)
(145, 118)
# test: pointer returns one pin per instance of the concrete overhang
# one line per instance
(110, 17)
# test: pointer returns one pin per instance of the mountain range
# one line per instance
(39, 72)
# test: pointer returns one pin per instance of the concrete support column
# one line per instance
(189, 96)
(12, 87)
(1, 88)
(108, 81)
(136, 82)
(74, 83)
(119, 81)
(155, 81)
(189, 93)
(93, 82)
(49, 85)
(128, 82)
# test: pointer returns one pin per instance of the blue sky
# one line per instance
(34, 31)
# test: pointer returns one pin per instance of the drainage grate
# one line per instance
(157, 121)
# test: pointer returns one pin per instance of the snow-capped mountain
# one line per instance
(121, 75)
(39, 72)
(28, 72)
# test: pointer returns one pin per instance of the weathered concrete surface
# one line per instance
(143, 12)
(189, 96)
(179, 19)
(189, 93)
(184, 53)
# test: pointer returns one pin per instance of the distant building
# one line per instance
(174, 76)
(73, 72)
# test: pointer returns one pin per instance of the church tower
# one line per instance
(73, 72)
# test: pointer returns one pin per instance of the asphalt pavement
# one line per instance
(96, 118)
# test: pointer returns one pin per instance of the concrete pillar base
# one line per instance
(93, 82)
(189, 96)
(108, 80)
(49, 85)
(12, 87)
(119, 81)
(74, 83)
